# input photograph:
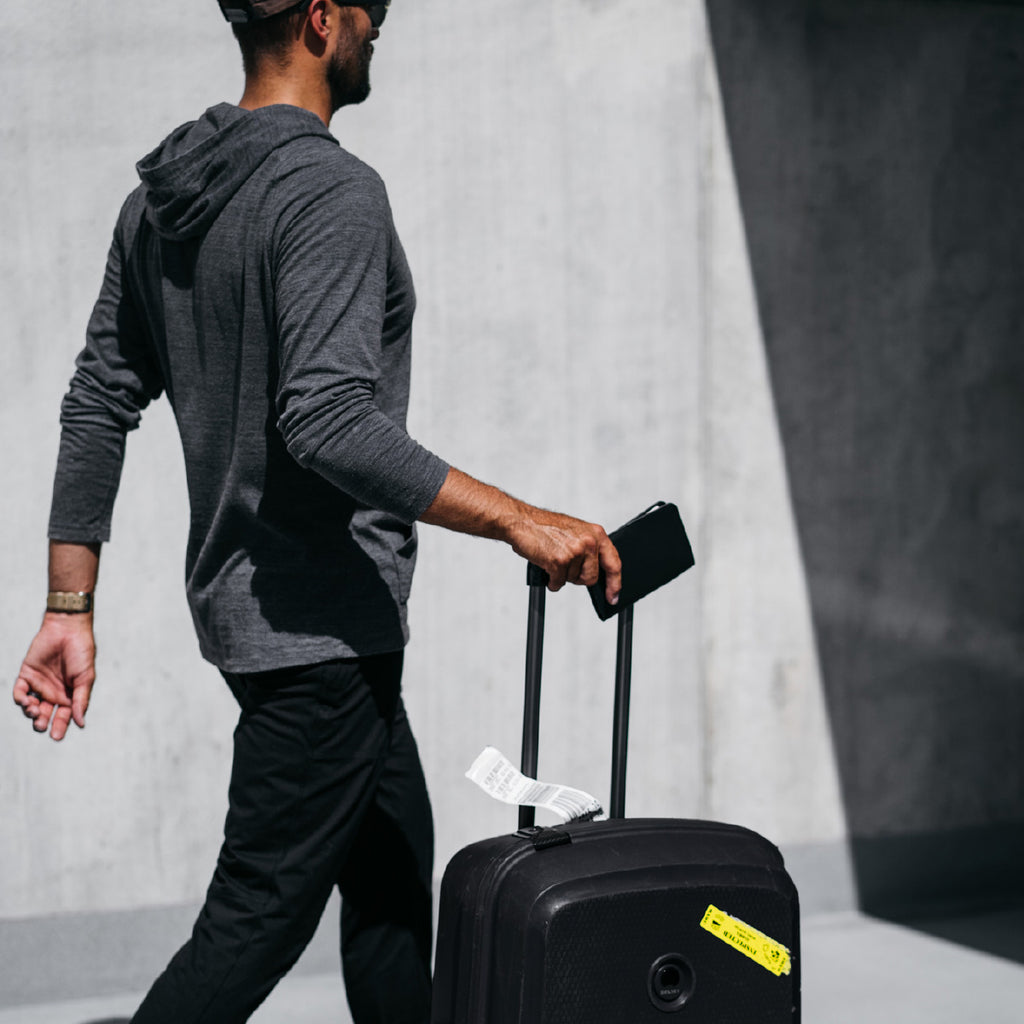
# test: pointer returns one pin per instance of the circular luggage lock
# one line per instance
(670, 982)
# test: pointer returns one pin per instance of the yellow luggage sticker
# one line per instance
(771, 955)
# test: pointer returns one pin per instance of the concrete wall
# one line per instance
(600, 291)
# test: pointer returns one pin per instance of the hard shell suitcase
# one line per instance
(612, 928)
(623, 921)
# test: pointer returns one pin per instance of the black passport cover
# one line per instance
(654, 550)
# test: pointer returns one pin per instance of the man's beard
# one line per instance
(348, 76)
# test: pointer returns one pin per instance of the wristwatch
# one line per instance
(69, 602)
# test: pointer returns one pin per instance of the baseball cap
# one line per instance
(253, 10)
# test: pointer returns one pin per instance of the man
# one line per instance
(256, 277)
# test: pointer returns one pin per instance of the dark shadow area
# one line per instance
(879, 154)
(998, 931)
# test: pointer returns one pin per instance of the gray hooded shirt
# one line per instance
(256, 277)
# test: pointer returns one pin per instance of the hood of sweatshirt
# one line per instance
(195, 171)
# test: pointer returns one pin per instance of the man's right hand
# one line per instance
(569, 550)
(57, 675)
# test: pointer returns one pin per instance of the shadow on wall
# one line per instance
(879, 151)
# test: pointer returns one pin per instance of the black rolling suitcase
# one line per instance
(623, 921)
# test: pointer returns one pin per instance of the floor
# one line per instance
(856, 970)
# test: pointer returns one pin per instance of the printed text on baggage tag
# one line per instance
(771, 955)
(498, 777)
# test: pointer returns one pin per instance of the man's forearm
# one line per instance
(467, 505)
(74, 567)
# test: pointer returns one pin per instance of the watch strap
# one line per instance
(69, 602)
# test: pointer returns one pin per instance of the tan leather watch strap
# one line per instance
(69, 602)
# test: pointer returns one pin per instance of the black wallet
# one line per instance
(654, 550)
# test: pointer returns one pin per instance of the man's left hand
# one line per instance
(57, 675)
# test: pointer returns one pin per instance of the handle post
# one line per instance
(620, 726)
(537, 580)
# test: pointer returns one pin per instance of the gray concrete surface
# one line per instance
(856, 970)
(551, 168)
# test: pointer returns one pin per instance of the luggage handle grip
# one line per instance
(536, 576)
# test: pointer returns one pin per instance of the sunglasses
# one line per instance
(377, 12)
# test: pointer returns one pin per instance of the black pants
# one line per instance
(326, 789)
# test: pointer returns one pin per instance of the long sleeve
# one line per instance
(115, 379)
(335, 259)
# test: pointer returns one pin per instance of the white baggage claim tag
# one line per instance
(498, 777)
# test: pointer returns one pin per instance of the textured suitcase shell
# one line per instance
(572, 934)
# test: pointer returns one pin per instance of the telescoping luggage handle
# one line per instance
(654, 549)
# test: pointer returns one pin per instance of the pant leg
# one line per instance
(387, 912)
(309, 748)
